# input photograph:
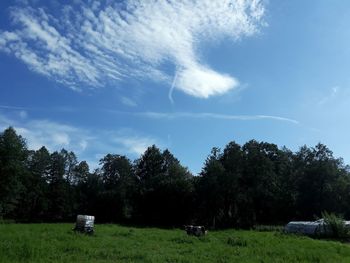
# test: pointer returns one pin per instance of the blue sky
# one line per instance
(100, 77)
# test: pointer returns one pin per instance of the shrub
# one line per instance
(335, 226)
(7, 221)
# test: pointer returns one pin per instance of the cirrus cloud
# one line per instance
(100, 42)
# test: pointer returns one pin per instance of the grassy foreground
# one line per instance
(113, 243)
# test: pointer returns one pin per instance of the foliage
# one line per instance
(336, 226)
(165, 189)
(13, 154)
(257, 183)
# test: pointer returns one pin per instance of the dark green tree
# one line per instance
(89, 195)
(234, 193)
(165, 188)
(260, 178)
(209, 190)
(34, 201)
(59, 188)
(175, 191)
(318, 177)
(13, 170)
(81, 172)
(119, 186)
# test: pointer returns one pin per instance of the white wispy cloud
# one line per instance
(128, 102)
(50, 134)
(330, 96)
(136, 144)
(86, 143)
(98, 42)
(5, 122)
(23, 114)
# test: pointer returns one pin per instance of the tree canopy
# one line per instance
(239, 186)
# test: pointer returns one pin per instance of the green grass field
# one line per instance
(113, 243)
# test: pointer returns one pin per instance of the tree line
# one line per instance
(239, 186)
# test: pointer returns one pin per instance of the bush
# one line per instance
(335, 226)
(7, 221)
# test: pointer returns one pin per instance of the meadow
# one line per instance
(114, 243)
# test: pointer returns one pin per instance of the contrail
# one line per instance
(12, 107)
(209, 115)
(170, 95)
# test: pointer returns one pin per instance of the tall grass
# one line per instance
(112, 243)
(268, 228)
